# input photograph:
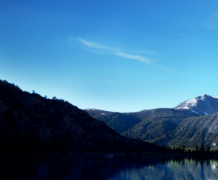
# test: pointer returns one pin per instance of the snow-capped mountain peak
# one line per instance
(203, 104)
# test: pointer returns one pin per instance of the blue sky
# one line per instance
(114, 55)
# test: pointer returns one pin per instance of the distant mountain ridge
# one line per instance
(190, 123)
(202, 105)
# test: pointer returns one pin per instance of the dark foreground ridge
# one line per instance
(31, 123)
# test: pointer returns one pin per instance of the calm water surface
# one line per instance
(104, 167)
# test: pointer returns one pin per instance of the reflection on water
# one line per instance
(104, 167)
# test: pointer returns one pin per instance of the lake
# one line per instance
(105, 167)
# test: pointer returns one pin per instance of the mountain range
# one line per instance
(32, 123)
(190, 123)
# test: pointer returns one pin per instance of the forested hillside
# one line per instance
(29, 122)
(164, 126)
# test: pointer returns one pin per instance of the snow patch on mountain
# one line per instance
(203, 104)
(188, 104)
(92, 109)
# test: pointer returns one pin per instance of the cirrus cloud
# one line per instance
(95, 45)
(135, 57)
(113, 51)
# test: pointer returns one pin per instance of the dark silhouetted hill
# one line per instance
(29, 122)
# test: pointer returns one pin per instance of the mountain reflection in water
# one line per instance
(104, 167)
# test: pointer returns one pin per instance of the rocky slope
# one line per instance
(203, 105)
(29, 122)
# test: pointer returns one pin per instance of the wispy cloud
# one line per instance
(214, 14)
(114, 51)
(95, 45)
(165, 68)
(135, 57)
(211, 21)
